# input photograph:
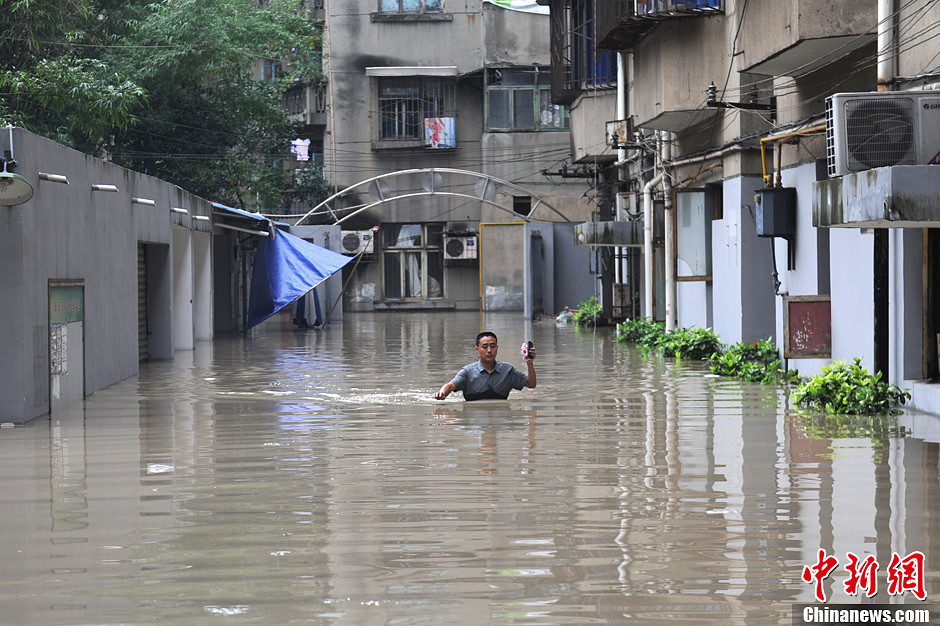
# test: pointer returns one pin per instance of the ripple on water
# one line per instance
(308, 477)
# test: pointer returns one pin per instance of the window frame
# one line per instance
(423, 10)
(537, 91)
(431, 244)
(404, 114)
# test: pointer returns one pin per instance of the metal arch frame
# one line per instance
(431, 192)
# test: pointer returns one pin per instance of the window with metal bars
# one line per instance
(576, 63)
(404, 104)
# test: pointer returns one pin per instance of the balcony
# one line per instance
(621, 23)
(799, 37)
(306, 103)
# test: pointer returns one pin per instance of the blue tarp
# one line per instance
(255, 216)
(285, 268)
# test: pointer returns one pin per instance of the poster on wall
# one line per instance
(58, 349)
(439, 132)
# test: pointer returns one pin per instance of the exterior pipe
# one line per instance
(670, 236)
(619, 269)
(621, 98)
(648, 220)
(778, 149)
(886, 44)
(881, 254)
(775, 139)
(648, 217)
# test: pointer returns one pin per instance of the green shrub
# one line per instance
(589, 313)
(642, 331)
(756, 362)
(689, 343)
(844, 388)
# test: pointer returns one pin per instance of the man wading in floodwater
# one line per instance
(489, 379)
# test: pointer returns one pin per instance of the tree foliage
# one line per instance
(164, 87)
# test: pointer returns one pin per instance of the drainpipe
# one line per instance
(648, 215)
(670, 250)
(886, 45)
(648, 220)
(881, 251)
(619, 270)
(621, 99)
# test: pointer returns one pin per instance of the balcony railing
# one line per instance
(621, 23)
(667, 8)
(295, 100)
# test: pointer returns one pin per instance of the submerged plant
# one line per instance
(844, 388)
(756, 361)
(589, 313)
(642, 331)
(689, 343)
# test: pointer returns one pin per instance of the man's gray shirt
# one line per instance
(478, 384)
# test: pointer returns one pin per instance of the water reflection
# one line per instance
(308, 477)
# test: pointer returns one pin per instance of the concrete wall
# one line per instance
(573, 282)
(914, 60)
(672, 73)
(477, 35)
(358, 42)
(202, 286)
(588, 129)
(470, 37)
(742, 48)
(70, 232)
(775, 26)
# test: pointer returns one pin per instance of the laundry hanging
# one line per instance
(529, 6)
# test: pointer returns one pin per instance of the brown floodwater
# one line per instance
(307, 477)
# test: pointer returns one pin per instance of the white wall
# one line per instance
(182, 288)
(202, 286)
(742, 286)
(853, 317)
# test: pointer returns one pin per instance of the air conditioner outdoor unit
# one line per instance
(356, 241)
(881, 129)
(460, 247)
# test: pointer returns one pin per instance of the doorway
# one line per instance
(66, 343)
(931, 361)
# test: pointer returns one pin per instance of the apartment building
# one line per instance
(435, 124)
(751, 192)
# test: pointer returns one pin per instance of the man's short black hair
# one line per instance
(486, 333)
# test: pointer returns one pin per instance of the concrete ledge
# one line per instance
(418, 305)
(902, 196)
(411, 17)
(925, 396)
(922, 414)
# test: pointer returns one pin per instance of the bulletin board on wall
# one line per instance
(807, 327)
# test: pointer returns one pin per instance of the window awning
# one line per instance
(412, 70)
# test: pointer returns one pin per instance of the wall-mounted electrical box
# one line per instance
(776, 212)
